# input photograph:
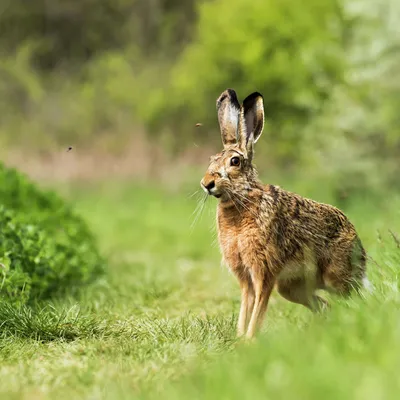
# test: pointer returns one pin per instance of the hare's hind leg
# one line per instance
(346, 272)
(338, 280)
(299, 281)
(298, 291)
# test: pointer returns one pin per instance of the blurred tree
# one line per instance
(292, 54)
(69, 32)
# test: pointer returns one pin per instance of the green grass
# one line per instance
(161, 324)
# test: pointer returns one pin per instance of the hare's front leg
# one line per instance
(247, 303)
(263, 286)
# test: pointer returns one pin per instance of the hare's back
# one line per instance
(301, 222)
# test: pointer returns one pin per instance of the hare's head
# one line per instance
(231, 171)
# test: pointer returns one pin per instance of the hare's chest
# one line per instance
(229, 244)
(240, 248)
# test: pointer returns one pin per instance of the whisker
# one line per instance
(229, 195)
(248, 208)
(199, 210)
(245, 198)
(193, 194)
(237, 196)
(198, 205)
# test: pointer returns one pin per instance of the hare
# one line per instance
(270, 237)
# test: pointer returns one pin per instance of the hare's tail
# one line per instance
(367, 285)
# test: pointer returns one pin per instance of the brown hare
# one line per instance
(271, 237)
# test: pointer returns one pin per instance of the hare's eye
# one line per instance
(235, 161)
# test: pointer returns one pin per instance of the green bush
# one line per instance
(292, 54)
(45, 248)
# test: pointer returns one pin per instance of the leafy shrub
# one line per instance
(292, 54)
(45, 249)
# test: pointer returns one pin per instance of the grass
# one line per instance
(162, 321)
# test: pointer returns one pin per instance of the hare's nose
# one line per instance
(210, 185)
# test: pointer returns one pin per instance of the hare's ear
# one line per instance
(228, 109)
(251, 121)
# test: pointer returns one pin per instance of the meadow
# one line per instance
(161, 322)
(130, 87)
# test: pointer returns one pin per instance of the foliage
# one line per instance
(45, 248)
(67, 33)
(291, 54)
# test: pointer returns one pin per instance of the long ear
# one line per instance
(251, 121)
(228, 109)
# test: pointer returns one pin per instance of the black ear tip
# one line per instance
(230, 95)
(251, 99)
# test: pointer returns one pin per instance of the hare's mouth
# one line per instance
(211, 190)
(215, 193)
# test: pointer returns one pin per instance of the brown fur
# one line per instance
(269, 236)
